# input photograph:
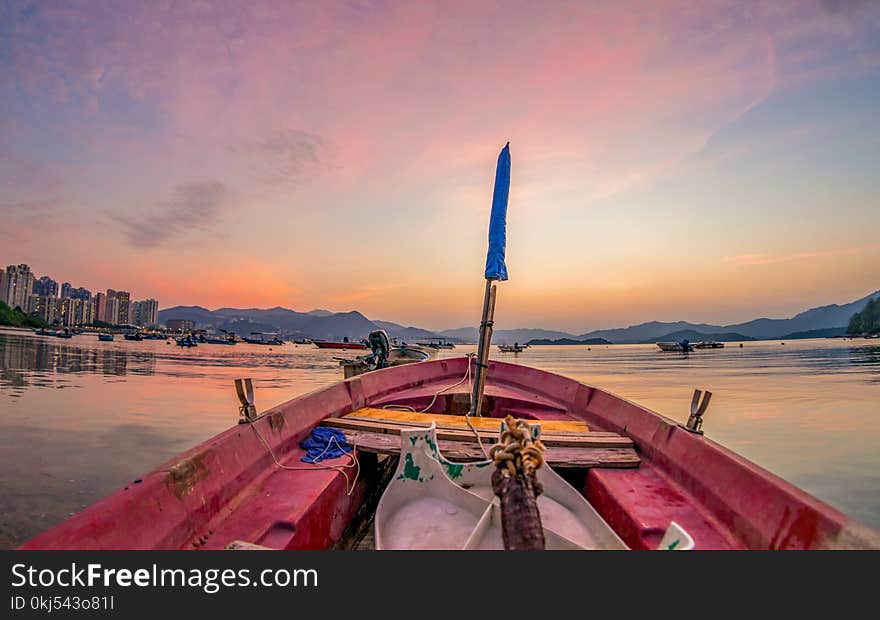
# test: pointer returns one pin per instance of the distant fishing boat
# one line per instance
(345, 344)
(105, 337)
(301, 341)
(437, 343)
(681, 347)
(218, 340)
(186, 341)
(513, 348)
(224, 338)
(385, 354)
(263, 338)
(709, 344)
(135, 336)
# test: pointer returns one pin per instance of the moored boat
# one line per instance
(134, 336)
(214, 338)
(105, 337)
(655, 472)
(265, 338)
(512, 348)
(681, 347)
(385, 353)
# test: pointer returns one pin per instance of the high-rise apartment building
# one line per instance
(100, 307)
(145, 312)
(18, 286)
(111, 310)
(124, 313)
(46, 286)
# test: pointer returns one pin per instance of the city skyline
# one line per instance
(670, 160)
(71, 306)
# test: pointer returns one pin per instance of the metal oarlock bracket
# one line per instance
(244, 389)
(698, 408)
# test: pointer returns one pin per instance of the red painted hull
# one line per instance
(326, 344)
(228, 488)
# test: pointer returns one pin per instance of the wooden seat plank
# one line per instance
(396, 415)
(468, 451)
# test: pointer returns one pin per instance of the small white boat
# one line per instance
(513, 348)
(433, 503)
(709, 344)
(675, 346)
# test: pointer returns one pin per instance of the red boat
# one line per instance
(329, 344)
(639, 470)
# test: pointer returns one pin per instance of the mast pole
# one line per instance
(482, 362)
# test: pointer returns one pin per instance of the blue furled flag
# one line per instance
(495, 267)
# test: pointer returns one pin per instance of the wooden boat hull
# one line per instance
(228, 488)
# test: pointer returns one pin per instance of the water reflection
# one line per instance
(867, 359)
(32, 359)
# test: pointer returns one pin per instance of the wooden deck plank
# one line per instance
(467, 451)
(395, 415)
(461, 424)
(568, 440)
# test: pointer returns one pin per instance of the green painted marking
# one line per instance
(413, 439)
(673, 544)
(410, 469)
(454, 470)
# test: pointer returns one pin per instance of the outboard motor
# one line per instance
(381, 346)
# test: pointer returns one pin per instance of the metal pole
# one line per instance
(482, 363)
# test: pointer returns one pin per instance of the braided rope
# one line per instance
(517, 454)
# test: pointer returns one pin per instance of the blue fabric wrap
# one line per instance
(316, 445)
(495, 267)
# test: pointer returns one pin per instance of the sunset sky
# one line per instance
(711, 162)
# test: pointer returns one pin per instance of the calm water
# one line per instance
(80, 417)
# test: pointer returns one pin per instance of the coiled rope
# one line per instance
(517, 453)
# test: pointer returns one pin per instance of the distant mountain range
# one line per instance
(818, 322)
(800, 325)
